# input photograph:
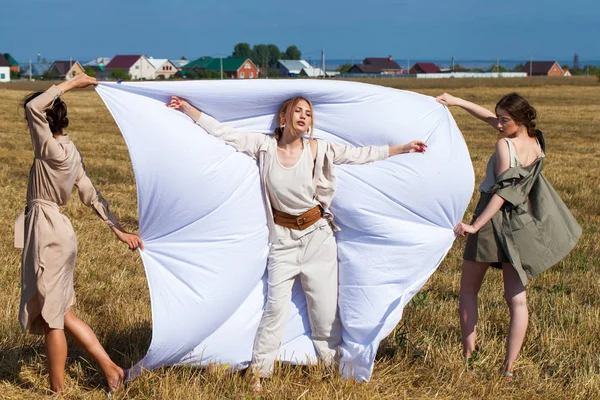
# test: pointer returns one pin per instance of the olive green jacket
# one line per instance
(536, 228)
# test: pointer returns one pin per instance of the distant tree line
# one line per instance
(265, 55)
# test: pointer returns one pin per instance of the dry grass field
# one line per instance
(421, 359)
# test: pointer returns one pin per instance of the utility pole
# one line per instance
(221, 56)
(70, 64)
(323, 62)
(30, 70)
(452, 62)
(407, 65)
(530, 65)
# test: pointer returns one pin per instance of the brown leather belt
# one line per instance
(298, 222)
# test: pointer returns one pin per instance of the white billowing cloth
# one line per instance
(204, 227)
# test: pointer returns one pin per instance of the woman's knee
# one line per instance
(516, 301)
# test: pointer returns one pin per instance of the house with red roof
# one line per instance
(543, 68)
(425, 68)
(138, 67)
(377, 65)
(64, 70)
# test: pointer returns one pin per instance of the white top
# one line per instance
(291, 190)
(490, 169)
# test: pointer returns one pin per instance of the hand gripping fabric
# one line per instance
(204, 226)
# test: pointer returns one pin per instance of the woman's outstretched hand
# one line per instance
(132, 240)
(447, 99)
(78, 82)
(463, 229)
(416, 146)
(179, 104)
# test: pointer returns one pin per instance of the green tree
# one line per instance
(191, 74)
(292, 53)
(344, 68)
(242, 50)
(274, 54)
(90, 71)
(261, 55)
(519, 68)
(120, 74)
(14, 75)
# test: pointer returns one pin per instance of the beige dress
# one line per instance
(49, 243)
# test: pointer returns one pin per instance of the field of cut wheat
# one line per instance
(421, 359)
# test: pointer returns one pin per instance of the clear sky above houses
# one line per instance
(418, 29)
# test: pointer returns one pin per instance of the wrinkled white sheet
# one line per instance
(203, 223)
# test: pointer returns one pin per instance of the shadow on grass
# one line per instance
(125, 348)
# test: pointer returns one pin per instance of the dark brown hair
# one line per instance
(286, 110)
(521, 112)
(56, 115)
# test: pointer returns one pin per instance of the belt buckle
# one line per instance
(299, 221)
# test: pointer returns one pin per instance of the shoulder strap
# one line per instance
(513, 153)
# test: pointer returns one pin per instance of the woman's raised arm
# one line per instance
(245, 142)
(475, 110)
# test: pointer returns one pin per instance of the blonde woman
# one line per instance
(298, 182)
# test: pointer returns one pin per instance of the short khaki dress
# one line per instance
(485, 246)
(49, 243)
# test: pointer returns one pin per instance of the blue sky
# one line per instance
(417, 29)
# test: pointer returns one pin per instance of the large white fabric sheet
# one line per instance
(203, 222)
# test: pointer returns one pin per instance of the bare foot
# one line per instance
(257, 389)
(115, 378)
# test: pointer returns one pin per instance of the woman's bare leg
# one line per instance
(470, 283)
(514, 293)
(86, 339)
(56, 357)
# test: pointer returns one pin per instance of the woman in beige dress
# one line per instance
(298, 184)
(49, 243)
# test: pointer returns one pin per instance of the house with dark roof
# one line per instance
(64, 70)
(136, 66)
(14, 65)
(425, 68)
(4, 69)
(543, 68)
(375, 65)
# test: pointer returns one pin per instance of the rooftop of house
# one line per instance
(123, 61)
(294, 66)
(538, 67)
(10, 59)
(63, 67)
(97, 62)
(157, 62)
(427, 67)
(229, 64)
(382, 63)
(199, 63)
(3, 61)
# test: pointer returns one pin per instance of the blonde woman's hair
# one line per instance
(285, 112)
